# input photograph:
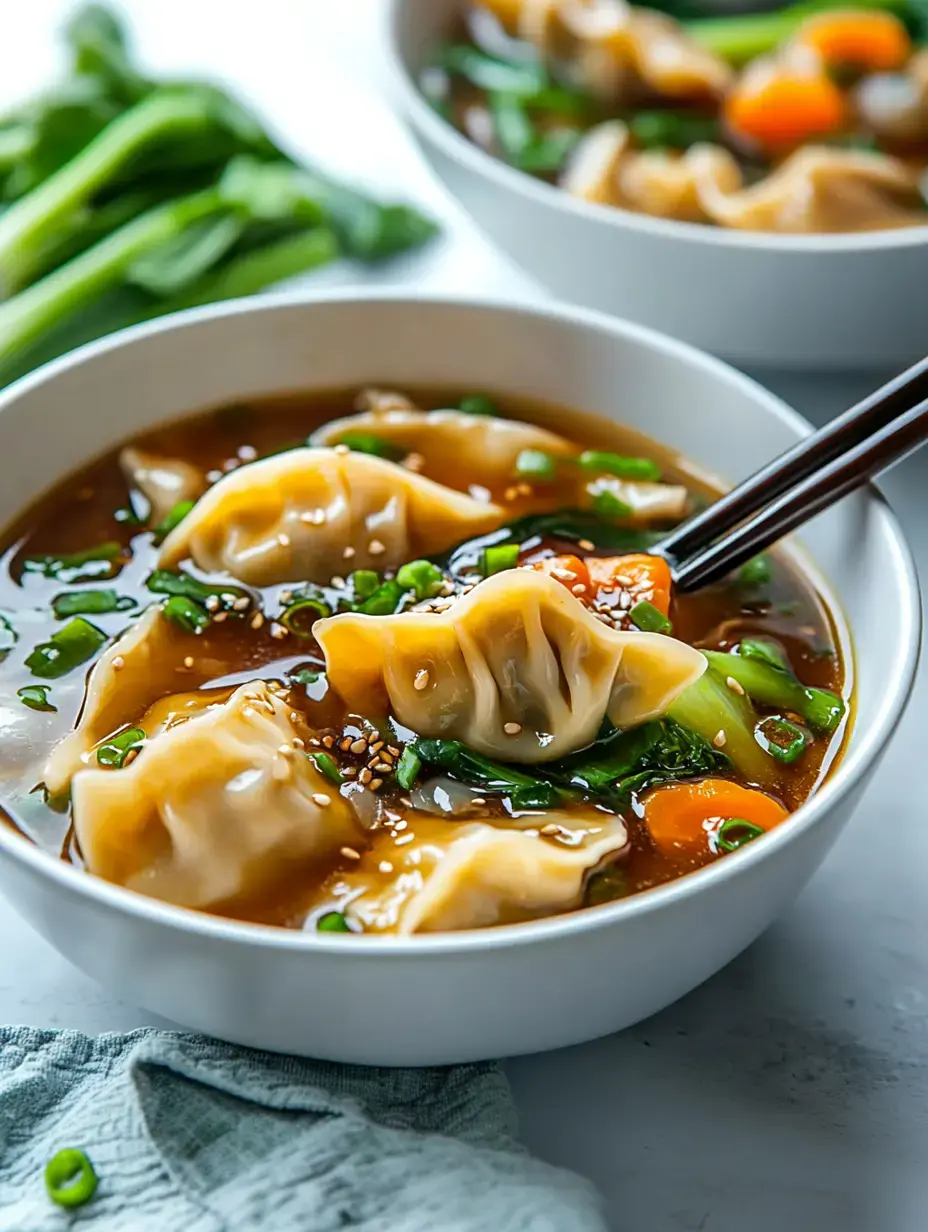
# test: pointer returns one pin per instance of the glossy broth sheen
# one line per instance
(93, 507)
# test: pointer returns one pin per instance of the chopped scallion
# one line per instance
(166, 582)
(90, 603)
(422, 577)
(35, 696)
(304, 677)
(367, 442)
(782, 739)
(186, 613)
(327, 766)
(408, 767)
(307, 607)
(496, 559)
(756, 572)
(384, 601)
(363, 583)
(69, 1178)
(607, 505)
(536, 464)
(98, 561)
(174, 518)
(649, 619)
(642, 469)
(478, 404)
(66, 649)
(115, 751)
(736, 833)
(333, 922)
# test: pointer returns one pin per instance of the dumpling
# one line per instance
(215, 810)
(517, 669)
(290, 518)
(164, 482)
(816, 190)
(455, 875)
(451, 442)
(137, 669)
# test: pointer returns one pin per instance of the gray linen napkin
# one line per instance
(191, 1135)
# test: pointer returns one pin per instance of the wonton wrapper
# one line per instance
(480, 446)
(519, 649)
(290, 518)
(164, 482)
(152, 667)
(473, 874)
(618, 52)
(212, 811)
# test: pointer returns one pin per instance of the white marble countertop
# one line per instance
(791, 1091)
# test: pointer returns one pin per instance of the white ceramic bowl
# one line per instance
(444, 998)
(832, 301)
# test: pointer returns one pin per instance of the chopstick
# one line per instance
(878, 431)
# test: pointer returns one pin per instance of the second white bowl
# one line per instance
(818, 301)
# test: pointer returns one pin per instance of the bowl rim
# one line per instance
(457, 147)
(849, 772)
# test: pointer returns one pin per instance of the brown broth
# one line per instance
(83, 510)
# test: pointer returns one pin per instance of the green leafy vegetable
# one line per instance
(675, 130)
(608, 506)
(408, 767)
(35, 696)
(772, 686)
(70, 1180)
(66, 649)
(90, 603)
(603, 463)
(327, 766)
(710, 706)
(479, 771)
(115, 752)
(649, 619)
(98, 561)
(764, 651)
(186, 613)
(305, 677)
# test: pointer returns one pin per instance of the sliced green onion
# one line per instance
(363, 583)
(69, 1178)
(306, 608)
(649, 619)
(167, 582)
(782, 739)
(756, 572)
(384, 601)
(547, 152)
(512, 125)
(174, 518)
(367, 442)
(478, 404)
(35, 696)
(94, 562)
(763, 651)
(618, 464)
(607, 505)
(90, 603)
(127, 517)
(327, 766)
(736, 833)
(408, 767)
(333, 922)
(186, 613)
(496, 559)
(536, 464)
(305, 677)
(675, 130)
(8, 637)
(71, 646)
(115, 751)
(421, 576)
(488, 73)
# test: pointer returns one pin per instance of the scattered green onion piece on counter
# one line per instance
(736, 833)
(385, 600)
(764, 651)
(90, 603)
(174, 518)
(187, 614)
(69, 1178)
(367, 442)
(69, 568)
(408, 767)
(607, 505)
(327, 766)
(649, 619)
(115, 751)
(8, 637)
(305, 677)
(643, 469)
(333, 922)
(363, 583)
(35, 696)
(167, 582)
(422, 577)
(478, 404)
(536, 464)
(496, 559)
(756, 572)
(66, 649)
(300, 615)
(782, 739)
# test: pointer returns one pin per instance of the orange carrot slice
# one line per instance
(778, 107)
(871, 41)
(570, 571)
(646, 577)
(681, 817)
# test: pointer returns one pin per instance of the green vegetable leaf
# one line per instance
(168, 268)
(473, 768)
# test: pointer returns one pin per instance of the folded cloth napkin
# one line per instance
(188, 1134)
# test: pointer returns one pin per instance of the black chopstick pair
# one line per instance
(879, 430)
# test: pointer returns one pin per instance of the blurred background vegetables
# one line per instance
(124, 199)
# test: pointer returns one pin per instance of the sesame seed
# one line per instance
(348, 552)
(719, 739)
(624, 580)
(524, 489)
(283, 539)
(213, 476)
(735, 685)
(478, 800)
(385, 866)
(579, 589)
(241, 604)
(377, 742)
(328, 742)
(341, 449)
(118, 663)
(358, 746)
(407, 838)
(257, 620)
(512, 729)
(349, 772)
(393, 750)
(406, 803)
(298, 743)
(338, 583)
(278, 632)
(586, 544)
(376, 548)
(188, 661)
(130, 757)
(401, 824)
(604, 617)
(365, 776)
(213, 603)
(345, 744)
(414, 462)
(625, 600)
(550, 829)
(320, 798)
(383, 766)
(294, 717)
(421, 680)
(219, 617)
(375, 784)
(247, 453)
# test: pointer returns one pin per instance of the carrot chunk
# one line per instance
(682, 817)
(647, 577)
(779, 108)
(570, 571)
(870, 41)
